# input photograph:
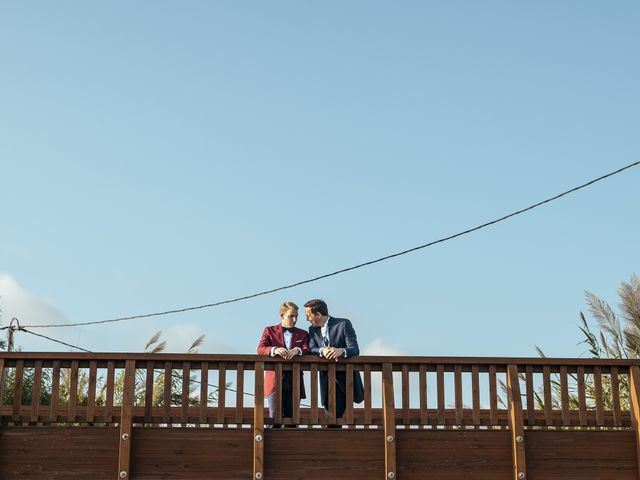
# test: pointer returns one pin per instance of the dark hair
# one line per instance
(317, 306)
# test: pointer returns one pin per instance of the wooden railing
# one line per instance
(401, 393)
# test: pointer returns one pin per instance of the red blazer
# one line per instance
(274, 337)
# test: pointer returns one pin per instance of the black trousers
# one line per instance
(287, 398)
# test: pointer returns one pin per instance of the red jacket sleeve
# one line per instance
(264, 347)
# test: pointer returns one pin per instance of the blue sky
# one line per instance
(158, 155)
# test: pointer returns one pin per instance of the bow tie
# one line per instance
(285, 329)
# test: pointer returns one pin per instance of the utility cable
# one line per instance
(344, 270)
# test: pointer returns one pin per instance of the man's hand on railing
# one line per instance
(287, 354)
(332, 353)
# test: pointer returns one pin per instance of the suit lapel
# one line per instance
(280, 335)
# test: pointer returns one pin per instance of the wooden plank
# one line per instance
(475, 394)
(597, 380)
(239, 393)
(17, 390)
(367, 396)
(422, 381)
(126, 419)
(184, 400)
(582, 399)
(615, 394)
(222, 388)
(548, 406)
(564, 396)
(458, 394)
(531, 402)
(258, 422)
(314, 393)
(332, 393)
(35, 391)
(440, 392)
(1, 386)
(111, 371)
(634, 400)
(493, 396)
(148, 391)
(296, 393)
(348, 410)
(204, 391)
(166, 393)
(516, 423)
(277, 414)
(91, 394)
(55, 391)
(73, 392)
(405, 394)
(389, 421)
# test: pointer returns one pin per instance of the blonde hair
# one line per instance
(286, 306)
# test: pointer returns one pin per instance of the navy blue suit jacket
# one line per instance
(341, 335)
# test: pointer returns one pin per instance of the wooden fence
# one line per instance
(195, 416)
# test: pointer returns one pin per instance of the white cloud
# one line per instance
(379, 347)
(29, 309)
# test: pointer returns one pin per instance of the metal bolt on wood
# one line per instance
(258, 439)
(520, 475)
(519, 439)
(389, 438)
(258, 475)
(125, 436)
(123, 474)
(391, 475)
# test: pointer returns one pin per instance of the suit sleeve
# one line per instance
(314, 348)
(351, 339)
(264, 347)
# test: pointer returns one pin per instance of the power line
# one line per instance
(344, 270)
(22, 329)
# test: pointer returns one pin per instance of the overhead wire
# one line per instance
(354, 267)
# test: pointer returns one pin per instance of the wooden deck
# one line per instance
(166, 416)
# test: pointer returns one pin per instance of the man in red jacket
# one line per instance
(286, 341)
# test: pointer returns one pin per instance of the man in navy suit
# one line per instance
(333, 338)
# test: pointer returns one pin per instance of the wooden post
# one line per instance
(126, 420)
(258, 423)
(516, 423)
(634, 396)
(389, 421)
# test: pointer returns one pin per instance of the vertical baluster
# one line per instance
(148, 392)
(615, 394)
(548, 406)
(55, 391)
(296, 394)
(475, 392)
(582, 399)
(126, 419)
(389, 420)
(111, 371)
(493, 396)
(367, 396)
(186, 380)
(564, 394)
(73, 394)
(1, 387)
(458, 394)
(314, 393)
(516, 423)
(597, 380)
(258, 422)
(277, 415)
(166, 394)
(240, 393)
(440, 391)
(17, 390)
(91, 394)
(222, 387)
(405, 395)
(332, 393)
(422, 380)
(35, 391)
(348, 411)
(204, 392)
(531, 404)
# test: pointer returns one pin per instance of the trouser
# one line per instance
(287, 400)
